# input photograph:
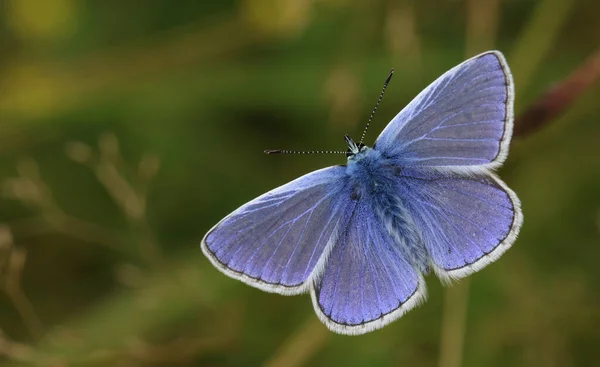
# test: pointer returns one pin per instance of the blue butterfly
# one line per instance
(359, 237)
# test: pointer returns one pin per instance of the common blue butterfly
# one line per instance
(359, 237)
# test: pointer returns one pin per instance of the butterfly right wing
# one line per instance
(278, 241)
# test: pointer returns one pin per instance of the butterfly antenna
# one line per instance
(385, 84)
(281, 151)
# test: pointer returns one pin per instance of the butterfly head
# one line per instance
(353, 148)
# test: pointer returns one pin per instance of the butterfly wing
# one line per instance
(276, 241)
(464, 118)
(465, 222)
(367, 282)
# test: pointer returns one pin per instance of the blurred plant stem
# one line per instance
(559, 98)
(12, 262)
(131, 201)
(127, 187)
(14, 291)
(456, 300)
(30, 189)
(301, 345)
(115, 325)
(74, 227)
(537, 39)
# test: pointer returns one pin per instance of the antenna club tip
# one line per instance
(389, 77)
(272, 151)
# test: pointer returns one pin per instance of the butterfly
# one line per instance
(359, 237)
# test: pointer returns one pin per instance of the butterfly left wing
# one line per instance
(463, 119)
(466, 222)
(367, 282)
(277, 241)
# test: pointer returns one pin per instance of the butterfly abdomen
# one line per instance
(403, 230)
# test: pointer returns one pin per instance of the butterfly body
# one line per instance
(374, 179)
(359, 237)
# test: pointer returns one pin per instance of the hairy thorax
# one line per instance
(374, 180)
(372, 174)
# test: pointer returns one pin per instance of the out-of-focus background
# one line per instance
(128, 129)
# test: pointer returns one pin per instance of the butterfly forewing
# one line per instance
(276, 241)
(464, 118)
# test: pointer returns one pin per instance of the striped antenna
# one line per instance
(385, 84)
(281, 151)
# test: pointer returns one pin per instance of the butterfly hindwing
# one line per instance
(464, 118)
(275, 242)
(466, 222)
(367, 282)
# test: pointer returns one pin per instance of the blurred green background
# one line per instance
(129, 128)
